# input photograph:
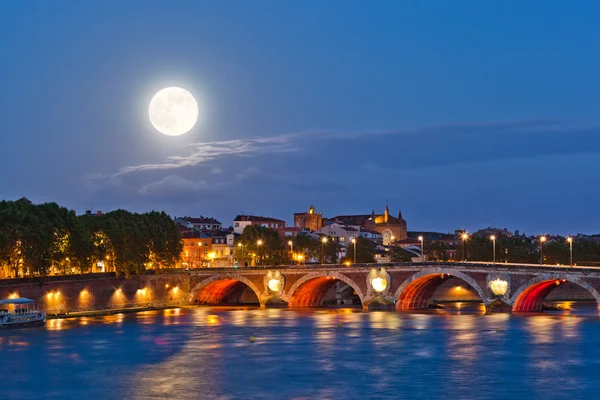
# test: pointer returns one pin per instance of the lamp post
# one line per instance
(354, 243)
(323, 241)
(570, 240)
(493, 237)
(241, 246)
(542, 240)
(422, 240)
(291, 244)
(465, 236)
(258, 244)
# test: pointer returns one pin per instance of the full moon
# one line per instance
(173, 111)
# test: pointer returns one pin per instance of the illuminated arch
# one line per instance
(222, 288)
(416, 291)
(310, 290)
(530, 296)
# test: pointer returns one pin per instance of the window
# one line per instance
(205, 245)
(342, 239)
(237, 224)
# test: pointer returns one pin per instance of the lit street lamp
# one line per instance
(493, 237)
(465, 236)
(241, 246)
(258, 244)
(570, 240)
(542, 240)
(291, 250)
(422, 248)
(323, 241)
(354, 243)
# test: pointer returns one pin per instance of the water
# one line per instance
(206, 353)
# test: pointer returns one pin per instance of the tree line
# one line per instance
(39, 239)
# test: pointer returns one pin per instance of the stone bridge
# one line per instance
(407, 286)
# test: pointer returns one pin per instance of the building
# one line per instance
(391, 228)
(288, 231)
(487, 232)
(242, 221)
(370, 234)
(342, 234)
(196, 249)
(201, 223)
(310, 220)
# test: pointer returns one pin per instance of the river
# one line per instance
(249, 353)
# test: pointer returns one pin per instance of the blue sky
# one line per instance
(461, 114)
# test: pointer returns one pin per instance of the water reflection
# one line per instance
(208, 353)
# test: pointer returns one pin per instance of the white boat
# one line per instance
(21, 313)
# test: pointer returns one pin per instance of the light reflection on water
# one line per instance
(300, 354)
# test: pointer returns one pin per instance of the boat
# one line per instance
(24, 314)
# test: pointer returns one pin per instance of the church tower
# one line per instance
(386, 215)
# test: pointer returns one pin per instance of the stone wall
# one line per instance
(100, 291)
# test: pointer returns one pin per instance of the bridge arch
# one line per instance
(310, 290)
(530, 296)
(416, 291)
(219, 289)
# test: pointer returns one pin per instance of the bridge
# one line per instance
(403, 286)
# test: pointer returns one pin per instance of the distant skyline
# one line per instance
(462, 115)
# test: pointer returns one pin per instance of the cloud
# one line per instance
(203, 153)
(173, 186)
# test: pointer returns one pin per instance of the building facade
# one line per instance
(242, 221)
(310, 220)
(391, 228)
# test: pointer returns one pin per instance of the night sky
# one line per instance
(461, 114)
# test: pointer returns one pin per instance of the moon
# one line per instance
(173, 111)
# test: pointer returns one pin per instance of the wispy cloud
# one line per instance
(201, 153)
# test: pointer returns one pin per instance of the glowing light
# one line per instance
(14, 295)
(493, 237)
(175, 289)
(498, 286)
(274, 285)
(379, 284)
(347, 263)
(173, 111)
(300, 257)
(212, 255)
(213, 319)
(290, 242)
(543, 239)
(458, 288)
(324, 240)
(569, 239)
(259, 242)
(353, 240)
(50, 295)
(167, 286)
(420, 237)
(465, 236)
(83, 293)
(239, 245)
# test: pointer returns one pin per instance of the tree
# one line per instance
(270, 251)
(398, 254)
(437, 251)
(365, 251)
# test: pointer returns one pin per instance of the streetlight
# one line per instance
(421, 239)
(291, 250)
(493, 237)
(241, 246)
(354, 243)
(570, 240)
(465, 236)
(323, 241)
(258, 244)
(542, 240)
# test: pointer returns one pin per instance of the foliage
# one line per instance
(271, 251)
(36, 240)
(398, 254)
